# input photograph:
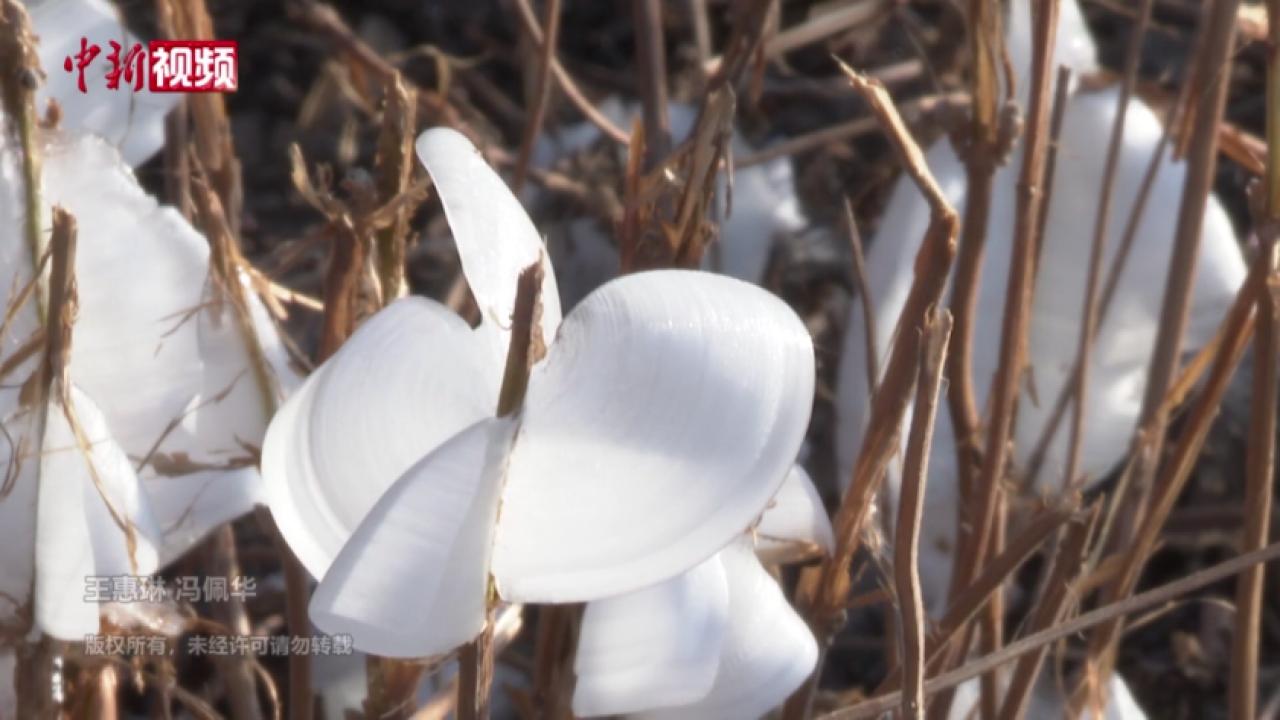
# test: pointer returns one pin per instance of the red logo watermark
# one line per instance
(167, 65)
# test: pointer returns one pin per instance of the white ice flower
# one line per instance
(665, 416)
(161, 384)
(719, 641)
(1125, 339)
(131, 120)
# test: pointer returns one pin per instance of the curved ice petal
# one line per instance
(426, 542)
(655, 647)
(666, 416)
(1125, 341)
(92, 519)
(1126, 338)
(154, 346)
(495, 237)
(409, 378)
(187, 507)
(131, 120)
(142, 274)
(795, 516)
(768, 650)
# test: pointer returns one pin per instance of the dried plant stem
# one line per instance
(241, 690)
(962, 400)
(863, 285)
(824, 596)
(106, 694)
(19, 77)
(815, 139)
(391, 686)
(1259, 481)
(341, 286)
(216, 192)
(1260, 461)
(1112, 283)
(541, 92)
(554, 650)
(225, 263)
(652, 77)
(701, 33)
(906, 544)
(1018, 301)
(1053, 604)
(475, 672)
(980, 149)
(1141, 522)
(1137, 603)
(393, 165)
(1089, 314)
(1119, 262)
(1061, 94)
(1237, 329)
(527, 348)
(1202, 159)
(974, 598)
(566, 82)
(984, 498)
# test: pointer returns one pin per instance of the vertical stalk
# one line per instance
(1261, 457)
(824, 595)
(906, 542)
(652, 60)
(37, 687)
(980, 151)
(1098, 250)
(393, 166)
(527, 347)
(541, 92)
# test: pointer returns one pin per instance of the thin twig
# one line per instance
(981, 150)
(1059, 595)
(570, 88)
(1061, 96)
(651, 65)
(1259, 481)
(863, 285)
(819, 27)
(906, 542)
(222, 561)
(974, 598)
(985, 499)
(824, 599)
(1237, 328)
(849, 129)
(393, 166)
(1261, 457)
(1097, 251)
(1118, 264)
(1218, 38)
(527, 348)
(19, 78)
(541, 92)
